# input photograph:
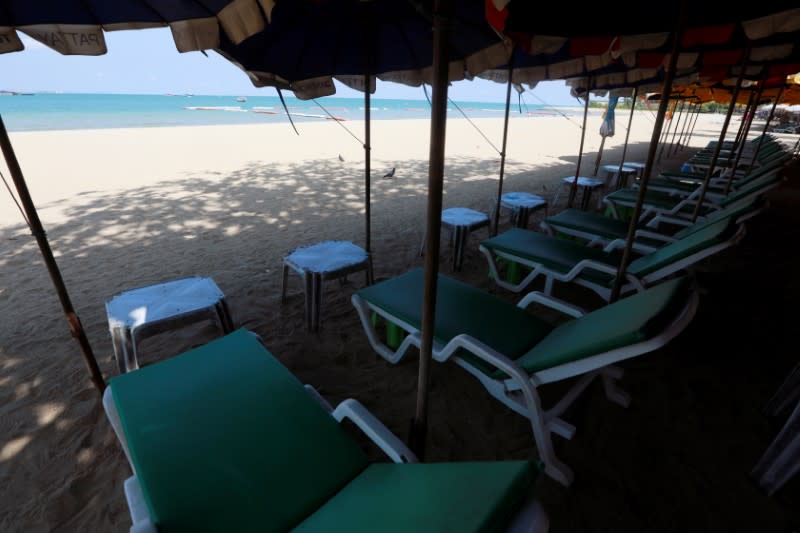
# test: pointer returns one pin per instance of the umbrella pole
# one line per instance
(699, 107)
(503, 152)
(441, 35)
(689, 114)
(663, 141)
(628, 132)
(724, 131)
(677, 37)
(75, 326)
(752, 110)
(367, 163)
(743, 122)
(675, 131)
(599, 156)
(574, 188)
(766, 126)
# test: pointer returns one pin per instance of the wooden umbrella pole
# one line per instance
(696, 116)
(677, 126)
(628, 131)
(689, 116)
(503, 151)
(766, 126)
(751, 109)
(599, 156)
(75, 326)
(718, 148)
(743, 121)
(663, 141)
(574, 188)
(677, 37)
(441, 35)
(367, 134)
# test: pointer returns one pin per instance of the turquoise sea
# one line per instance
(49, 111)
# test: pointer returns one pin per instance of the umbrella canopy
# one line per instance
(307, 44)
(75, 27)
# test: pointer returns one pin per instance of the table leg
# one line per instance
(224, 315)
(129, 350)
(119, 350)
(283, 283)
(522, 221)
(369, 275)
(587, 194)
(308, 290)
(317, 301)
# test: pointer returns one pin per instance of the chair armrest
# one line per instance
(375, 430)
(551, 302)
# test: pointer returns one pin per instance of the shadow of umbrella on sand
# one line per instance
(76, 27)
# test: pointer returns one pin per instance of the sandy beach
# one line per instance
(125, 208)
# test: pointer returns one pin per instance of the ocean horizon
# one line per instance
(75, 111)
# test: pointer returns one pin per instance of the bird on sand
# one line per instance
(341, 158)
(389, 174)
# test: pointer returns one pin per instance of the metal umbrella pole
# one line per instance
(441, 33)
(754, 101)
(503, 152)
(574, 187)
(718, 148)
(677, 37)
(628, 132)
(75, 326)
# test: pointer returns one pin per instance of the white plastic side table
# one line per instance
(523, 204)
(145, 311)
(321, 261)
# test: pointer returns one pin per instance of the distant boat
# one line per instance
(241, 99)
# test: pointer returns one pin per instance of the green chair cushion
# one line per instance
(593, 223)
(712, 234)
(625, 322)
(432, 497)
(556, 254)
(460, 308)
(733, 212)
(276, 455)
(657, 199)
(754, 188)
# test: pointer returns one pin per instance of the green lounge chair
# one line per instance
(558, 259)
(675, 205)
(224, 438)
(610, 233)
(684, 184)
(512, 352)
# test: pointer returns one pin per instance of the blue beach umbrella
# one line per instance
(606, 128)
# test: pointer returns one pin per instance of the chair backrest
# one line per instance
(712, 234)
(623, 323)
(732, 212)
(754, 188)
(224, 437)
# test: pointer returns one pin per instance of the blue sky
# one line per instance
(146, 61)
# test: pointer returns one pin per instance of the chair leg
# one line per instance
(553, 467)
(787, 394)
(610, 376)
(119, 350)
(781, 461)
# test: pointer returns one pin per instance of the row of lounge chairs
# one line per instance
(224, 437)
